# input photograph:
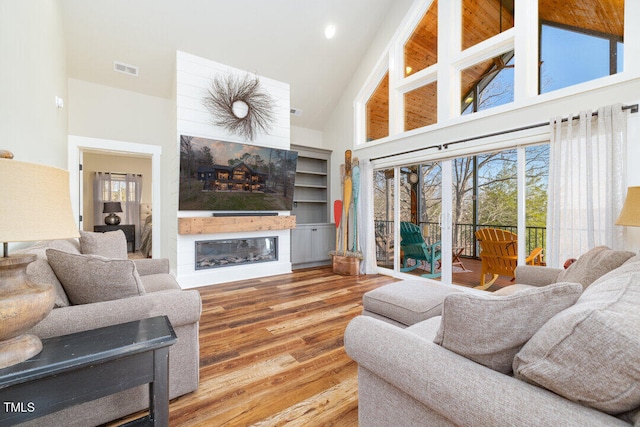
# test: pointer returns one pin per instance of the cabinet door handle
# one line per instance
(314, 229)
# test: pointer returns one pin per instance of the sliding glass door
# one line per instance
(482, 192)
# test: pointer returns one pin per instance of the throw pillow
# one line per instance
(39, 271)
(112, 244)
(90, 278)
(491, 329)
(593, 264)
(590, 353)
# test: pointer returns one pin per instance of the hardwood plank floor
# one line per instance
(271, 352)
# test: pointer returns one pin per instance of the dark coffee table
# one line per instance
(84, 366)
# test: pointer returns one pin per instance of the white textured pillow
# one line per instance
(491, 329)
(90, 278)
(593, 264)
(590, 353)
(112, 244)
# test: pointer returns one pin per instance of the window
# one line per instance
(488, 84)
(377, 110)
(483, 19)
(421, 49)
(580, 46)
(116, 187)
(421, 107)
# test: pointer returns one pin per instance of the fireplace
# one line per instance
(232, 252)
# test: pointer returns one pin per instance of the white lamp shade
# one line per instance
(36, 203)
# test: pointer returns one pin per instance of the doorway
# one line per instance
(77, 148)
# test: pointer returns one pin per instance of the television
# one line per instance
(228, 176)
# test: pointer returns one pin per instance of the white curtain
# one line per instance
(131, 206)
(586, 183)
(101, 194)
(124, 188)
(366, 232)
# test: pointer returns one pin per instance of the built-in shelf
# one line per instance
(311, 195)
(314, 236)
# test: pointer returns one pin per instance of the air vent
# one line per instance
(121, 67)
(296, 112)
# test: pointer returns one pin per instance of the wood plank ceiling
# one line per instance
(482, 19)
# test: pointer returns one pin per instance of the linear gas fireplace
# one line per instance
(230, 252)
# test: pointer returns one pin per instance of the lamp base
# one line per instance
(19, 349)
(22, 305)
(112, 219)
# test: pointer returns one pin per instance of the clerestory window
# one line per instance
(580, 41)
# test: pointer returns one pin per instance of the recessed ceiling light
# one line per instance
(329, 31)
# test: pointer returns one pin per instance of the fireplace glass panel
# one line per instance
(230, 252)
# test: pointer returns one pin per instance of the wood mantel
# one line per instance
(233, 224)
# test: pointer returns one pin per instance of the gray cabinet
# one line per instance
(311, 243)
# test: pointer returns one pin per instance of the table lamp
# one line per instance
(36, 205)
(111, 208)
(630, 214)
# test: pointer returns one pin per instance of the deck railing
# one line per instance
(463, 237)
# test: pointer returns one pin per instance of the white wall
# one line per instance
(32, 74)
(338, 133)
(193, 79)
(307, 137)
(103, 112)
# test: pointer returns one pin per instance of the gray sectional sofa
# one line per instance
(83, 302)
(562, 347)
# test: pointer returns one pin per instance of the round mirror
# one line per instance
(240, 109)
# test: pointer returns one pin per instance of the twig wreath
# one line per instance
(238, 104)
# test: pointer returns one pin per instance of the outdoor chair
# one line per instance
(414, 247)
(499, 254)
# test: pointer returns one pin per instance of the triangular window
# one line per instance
(377, 111)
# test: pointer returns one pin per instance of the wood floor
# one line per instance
(271, 352)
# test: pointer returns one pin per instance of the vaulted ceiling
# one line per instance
(279, 39)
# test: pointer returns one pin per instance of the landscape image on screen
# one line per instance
(228, 176)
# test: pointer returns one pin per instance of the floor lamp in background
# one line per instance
(630, 214)
(36, 205)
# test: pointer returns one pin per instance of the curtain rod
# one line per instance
(121, 173)
(632, 108)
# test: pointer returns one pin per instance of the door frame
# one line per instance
(76, 146)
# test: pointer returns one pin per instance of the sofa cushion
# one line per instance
(490, 329)
(408, 301)
(65, 245)
(112, 244)
(427, 329)
(593, 264)
(90, 278)
(590, 352)
(159, 282)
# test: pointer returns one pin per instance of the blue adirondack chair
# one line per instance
(414, 247)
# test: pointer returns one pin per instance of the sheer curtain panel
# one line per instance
(131, 206)
(366, 232)
(101, 194)
(586, 183)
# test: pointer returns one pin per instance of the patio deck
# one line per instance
(471, 277)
